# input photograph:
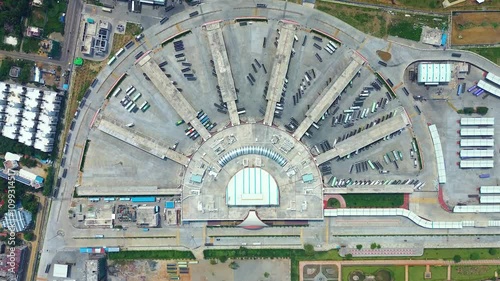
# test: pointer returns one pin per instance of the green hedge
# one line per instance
(153, 255)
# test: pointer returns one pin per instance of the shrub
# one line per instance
(373, 246)
(481, 110)
(309, 249)
(457, 258)
(28, 236)
(475, 256)
(223, 259)
(359, 246)
(493, 251)
(468, 110)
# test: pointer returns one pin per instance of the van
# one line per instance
(163, 20)
(139, 37)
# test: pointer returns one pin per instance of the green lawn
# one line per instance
(447, 254)
(493, 54)
(411, 27)
(369, 21)
(54, 12)
(473, 273)
(31, 45)
(373, 200)
(333, 203)
(439, 273)
(37, 17)
(398, 272)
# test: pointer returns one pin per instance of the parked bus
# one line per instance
(125, 199)
(120, 52)
(136, 97)
(472, 88)
(107, 10)
(112, 60)
(371, 164)
(116, 92)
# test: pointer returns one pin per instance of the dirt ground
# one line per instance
(248, 270)
(475, 28)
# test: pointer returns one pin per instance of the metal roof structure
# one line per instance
(439, 153)
(491, 199)
(223, 68)
(171, 94)
(392, 212)
(472, 132)
(476, 153)
(493, 78)
(252, 187)
(489, 88)
(325, 100)
(477, 142)
(399, 121)
(264, 151)
(279, 70)
(477, 209)
(489, 189)
(149, 145)
(478, 164)
(125, 191)
(434, 73)
(61, 270)
(477, 121)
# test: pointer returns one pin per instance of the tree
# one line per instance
(28, 236)
(309, 249)
(475, 256)
(373, 246)
(233, 265)
(223, 259)
(348, 256)
(213, 261)
(493, 251)
(266, 274)
(482, 110)
(457, 258)
(359, 246)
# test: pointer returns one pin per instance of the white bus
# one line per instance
(120, 52)
(136, 97)
(112, 60)
(108, 10)
(116, 92)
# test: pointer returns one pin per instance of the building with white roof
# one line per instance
(29, 115)
(434, 73)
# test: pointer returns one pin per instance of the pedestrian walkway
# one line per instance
(405, 263)
(387, 252)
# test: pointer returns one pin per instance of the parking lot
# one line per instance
(439, 108)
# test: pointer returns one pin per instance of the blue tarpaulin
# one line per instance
(443, 39)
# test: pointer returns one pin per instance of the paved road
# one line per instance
(32, 57)
(71, 28)
(388, 8)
